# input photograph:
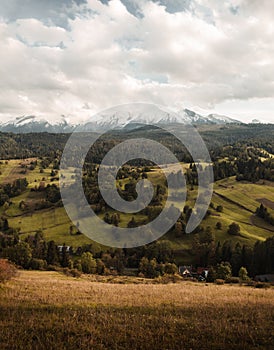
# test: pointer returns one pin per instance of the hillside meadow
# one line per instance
(238, 199)
(48, 310)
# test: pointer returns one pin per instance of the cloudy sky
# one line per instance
(75, 58)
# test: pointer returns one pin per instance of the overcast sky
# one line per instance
(75, 58)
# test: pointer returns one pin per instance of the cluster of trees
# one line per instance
(245, 168)
(112, 219)
(53, 194)
(254, 169)
(176, 179)
(10, 190)
(20, 146)
(126, 190)
(241, 160)
(152, 260)
(50, 196)
(257, 260)
(224, 169)
(93, 194)
(34, 252)
(223, 272)
(263, 213)
(263, 256)
(151, 268)
(227, 141)
(18, 186)
(244, 164)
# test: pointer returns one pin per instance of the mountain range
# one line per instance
(115, 119)
(32, 123)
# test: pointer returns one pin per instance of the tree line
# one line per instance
(151, 260)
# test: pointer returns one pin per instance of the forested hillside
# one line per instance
(237, 229)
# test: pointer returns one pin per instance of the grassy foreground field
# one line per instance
(46, 310)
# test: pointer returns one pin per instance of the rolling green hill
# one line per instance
(238, 199)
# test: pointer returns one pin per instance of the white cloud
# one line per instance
(34, 33)
(213, 56)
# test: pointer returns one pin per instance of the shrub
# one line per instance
(53, 268)
(251, 283)
(219, 281)
(75, 273)
(7, 270)
(70, 272)
(167, 278)
(38, 264)
(262, 285)
(233, 280)
(170, 268)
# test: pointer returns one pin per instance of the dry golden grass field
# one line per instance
(47, 310)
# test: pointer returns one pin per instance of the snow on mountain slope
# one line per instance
(221, 119)
(117, 117)
(31, 123)
(121, 116)
(148, 114)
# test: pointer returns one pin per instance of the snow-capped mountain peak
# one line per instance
(32, 123)
(117, 117)
(141, 114)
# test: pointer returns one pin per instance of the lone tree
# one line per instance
(219, 208)
(243, 275)
(234, 229)
(218, 225)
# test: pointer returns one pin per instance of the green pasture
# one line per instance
(245, 193)
(239, 201)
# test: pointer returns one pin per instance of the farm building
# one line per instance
(185, 271)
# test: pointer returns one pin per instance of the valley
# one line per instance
(38, 207)
(136, 175)
(239, 202)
